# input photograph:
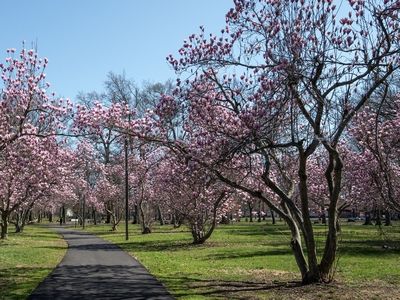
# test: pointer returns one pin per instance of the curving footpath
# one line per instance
(93, 268)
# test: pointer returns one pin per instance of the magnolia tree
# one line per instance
(194, 193)
(86, 170)
(379, 152)
(143, 182)
(59, 188)
(283, 80)
(109, 192)
(26, 109)
(32, 169)
(98, 124)
(29, 119)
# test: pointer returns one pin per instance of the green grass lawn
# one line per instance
(254, 261)
(27, 258)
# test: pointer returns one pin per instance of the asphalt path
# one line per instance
(93, 268)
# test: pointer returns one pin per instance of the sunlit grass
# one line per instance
(26, 259)
(243, 259)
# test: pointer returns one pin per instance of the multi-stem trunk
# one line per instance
(308, 231)
(200, 234)
(296, 245)
(198, 227)
(20, 221)
(333, 176)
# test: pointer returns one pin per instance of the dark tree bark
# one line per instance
(259, 213)
(108, 217)
(4, 225)
(135, 215)
(63, 215)
(273, 217)
(368, 220)
(388, 219)
(160, 216)
(250, 206)
(378, 219)
(94, 216)
(323, 218)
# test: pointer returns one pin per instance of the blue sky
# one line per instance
(85, 39)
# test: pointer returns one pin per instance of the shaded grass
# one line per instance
(27, 258)
(254, 261)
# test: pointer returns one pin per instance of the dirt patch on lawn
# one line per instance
(370, 290)
(281, 288)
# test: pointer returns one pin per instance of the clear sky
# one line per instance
(85, 39)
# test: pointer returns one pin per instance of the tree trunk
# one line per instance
(199, 235)
(250, 211)
(388, 219)
(334, 178)
(50, 217)
(160, 216)
(338, 226)
(94, 216)
(146, 228)
(83, 212)
(225, 220)
(108, 217)
(136, 215)
(273, 217)
(323, 218)
(19, 222)
(198, 232)
(64, 213)
(176, 220)
(378, 219)
(114, 222)
(295, 245)
(4, 226)
(313, 275)
(367, 219)
(22, 219)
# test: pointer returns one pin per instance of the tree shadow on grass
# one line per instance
(159, 245)
(18, 282)
(181, 245)
(369, 247)
(262, 230)
(258, 253)
(182, 286)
